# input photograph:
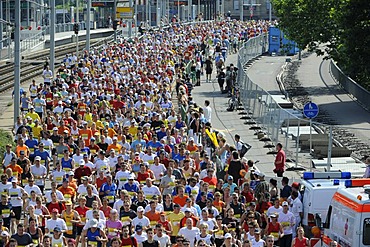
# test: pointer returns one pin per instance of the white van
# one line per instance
(348, 217)
(317, 189)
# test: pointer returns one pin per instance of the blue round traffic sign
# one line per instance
(310, 110)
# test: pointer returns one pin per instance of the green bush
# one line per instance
(5, 138)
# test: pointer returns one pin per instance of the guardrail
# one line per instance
(361, 94)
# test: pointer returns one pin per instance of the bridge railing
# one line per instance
(361, 94)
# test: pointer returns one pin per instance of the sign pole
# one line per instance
(310, 111)
(310, 144)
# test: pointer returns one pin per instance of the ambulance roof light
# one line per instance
(326, 175)
(361, 182)
(348, 183)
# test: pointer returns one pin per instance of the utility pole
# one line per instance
(28, 13)
(64, 16)
(114, 18)
(270, 11)
(131, 20)
(1, 25)
(218, 9)
(7, 17)
(158, 14)
(135, 20)
(52, 35)
(17, 58)
(79, 27)
(178, 10)
(88, 26)
(241, 4)
(189, 11)
(150, 13)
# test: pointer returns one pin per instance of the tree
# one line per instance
(337, 29)
(352, 51)
(305, 21)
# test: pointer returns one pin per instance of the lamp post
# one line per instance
(270, 11)
(1, 26)
(78, 22)
(17, 58)
(52, 35)
(88, 26)
(64, 15)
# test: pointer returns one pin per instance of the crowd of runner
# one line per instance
(132, 160)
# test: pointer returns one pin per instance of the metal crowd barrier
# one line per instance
(286, 124)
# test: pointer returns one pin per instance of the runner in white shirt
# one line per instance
(275, 209)
(257, 241)
(189, 232)
(39, 172)
(60, 196)
(82, 188)
(158, 169)
(149, 189)
(140, 219)
(58, 174)
(161, 237)
(55, 222)
(287, 221)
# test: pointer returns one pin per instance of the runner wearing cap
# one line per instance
(39, 173)
(140, 235)
(17, 195)
(71, 217)
(57, 238)
(141, 219)
(94, 236)
(55, 221)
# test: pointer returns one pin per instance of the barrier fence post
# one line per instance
(330, 145)
(297, 143)
(287, 133)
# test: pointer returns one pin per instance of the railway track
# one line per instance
(29, 70)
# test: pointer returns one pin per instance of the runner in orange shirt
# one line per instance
(68, 192)
(16, 169)
(85, 133)
(153, 215)
(180, 198)
(22, 147)
(115, 146)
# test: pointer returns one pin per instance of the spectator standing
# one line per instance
(280, 160)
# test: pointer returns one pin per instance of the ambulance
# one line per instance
(348, 217)
(317, 190)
